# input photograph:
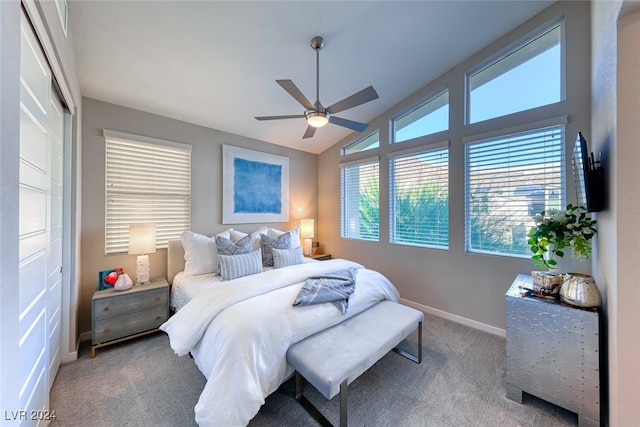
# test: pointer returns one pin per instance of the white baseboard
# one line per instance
(455, 318)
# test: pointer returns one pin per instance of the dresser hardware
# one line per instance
(107, 330)
(106, 309)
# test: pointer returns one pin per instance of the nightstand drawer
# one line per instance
(122, 326)
(119, 305)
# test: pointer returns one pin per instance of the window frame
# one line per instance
(344, 166)
(344, 150)
(506, 51)
(560, 122)
(422, 149)
(116, 233)
(414, 107)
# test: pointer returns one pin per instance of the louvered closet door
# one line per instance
(35, 230)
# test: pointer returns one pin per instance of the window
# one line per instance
(426, 119)
(360, 207)
(366, 143)
(527, 77)
(147, 181)
(508, 180)
(419, 186)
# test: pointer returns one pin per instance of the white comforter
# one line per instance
(239, 333)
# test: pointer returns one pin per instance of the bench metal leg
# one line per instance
(308, 406)
(410, 356)
(343, 403)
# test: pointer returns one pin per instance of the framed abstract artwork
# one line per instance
(255, 186)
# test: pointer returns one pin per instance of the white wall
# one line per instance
(615, 129)
(460, 284)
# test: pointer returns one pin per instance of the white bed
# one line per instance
(238, 331)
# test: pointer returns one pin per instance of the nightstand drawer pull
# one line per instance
(106, 309)
(158, 317)
(158, 298)
(106, 330)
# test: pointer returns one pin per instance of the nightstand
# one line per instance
(321, 257)
(553, 352)
(117, 316)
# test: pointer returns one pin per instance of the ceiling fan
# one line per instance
(317, 115)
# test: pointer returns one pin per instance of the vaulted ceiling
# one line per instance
(215, 63)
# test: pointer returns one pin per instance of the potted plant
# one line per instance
(556, 230)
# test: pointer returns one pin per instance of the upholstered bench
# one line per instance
(331, 359)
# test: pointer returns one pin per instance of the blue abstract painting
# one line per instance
(255, 186)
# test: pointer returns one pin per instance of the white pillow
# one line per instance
(234, 235)
(199, 253)
(287, 257)
(295, 235)
(256, 241)
(234, 266)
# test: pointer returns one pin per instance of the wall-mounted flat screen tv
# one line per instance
(588, 176)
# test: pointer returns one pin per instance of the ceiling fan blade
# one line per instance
(365, 95)
(357, 126)
(309, 132)
(293, 90)
(294, 116)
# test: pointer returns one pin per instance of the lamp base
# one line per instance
(142, 269)
(306, 248)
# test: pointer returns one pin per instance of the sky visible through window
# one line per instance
(531, 84)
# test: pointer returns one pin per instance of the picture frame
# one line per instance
(255, 186)
(102, 275)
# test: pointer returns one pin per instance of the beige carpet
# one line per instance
(459, 383)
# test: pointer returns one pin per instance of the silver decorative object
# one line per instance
(580, 290)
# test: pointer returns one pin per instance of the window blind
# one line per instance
(360, 200)
(419, 187)
(146, 183)
(508, 180)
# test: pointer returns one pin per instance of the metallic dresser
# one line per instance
(553, 352)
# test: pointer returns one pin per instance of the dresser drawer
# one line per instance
(129, 324)
(118, 305)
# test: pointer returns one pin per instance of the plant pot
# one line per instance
(580, 290)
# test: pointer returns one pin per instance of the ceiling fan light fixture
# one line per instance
(317, 119)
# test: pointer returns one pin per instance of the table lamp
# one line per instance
(306, 232)
(142, 241)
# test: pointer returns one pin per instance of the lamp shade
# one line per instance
(306, 228)
(142, 239)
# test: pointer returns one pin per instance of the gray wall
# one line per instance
(615, 89)
(467, 287)
(206, 185)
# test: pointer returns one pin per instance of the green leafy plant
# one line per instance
(555, 230)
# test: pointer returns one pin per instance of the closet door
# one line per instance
(34, 229)
(54, 260)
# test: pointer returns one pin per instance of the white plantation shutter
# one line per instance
(508, 180)
(147, 181)
(419, 187)
(360, 199)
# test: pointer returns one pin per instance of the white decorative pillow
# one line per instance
(199, 253)
(234, 266)
(235, 235)
(287, 257)
(256, 242)
(295, 235)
